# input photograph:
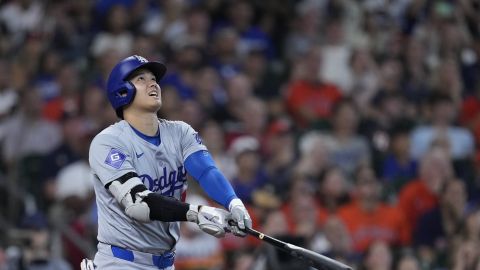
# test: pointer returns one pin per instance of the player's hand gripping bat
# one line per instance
(312, 258)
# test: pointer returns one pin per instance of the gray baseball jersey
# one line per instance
(118, 150)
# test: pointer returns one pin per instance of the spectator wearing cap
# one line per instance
(250, 174)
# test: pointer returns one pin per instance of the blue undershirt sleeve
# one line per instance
(201, 166)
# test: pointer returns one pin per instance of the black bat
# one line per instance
(312, 258)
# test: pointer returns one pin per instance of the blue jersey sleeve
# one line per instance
(201, 166)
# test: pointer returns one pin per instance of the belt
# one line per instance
(161, 261)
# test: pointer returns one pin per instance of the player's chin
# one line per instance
(155, 106)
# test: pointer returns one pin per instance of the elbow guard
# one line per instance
(130, 192)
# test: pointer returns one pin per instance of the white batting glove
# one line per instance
(240, 217)
(210, 219)
(87, 264)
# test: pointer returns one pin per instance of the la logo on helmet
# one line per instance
(141, 59)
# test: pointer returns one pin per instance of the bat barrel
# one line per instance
(314, 259)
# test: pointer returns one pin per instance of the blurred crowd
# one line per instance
(349, 127)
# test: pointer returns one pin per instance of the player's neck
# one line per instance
(145, 123)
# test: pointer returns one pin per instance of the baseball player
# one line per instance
(140, 164)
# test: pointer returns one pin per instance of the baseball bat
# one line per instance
(312, 258)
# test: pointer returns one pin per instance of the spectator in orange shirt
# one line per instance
(304, 216)
(310, 100)
(368, 219)
(421, 195)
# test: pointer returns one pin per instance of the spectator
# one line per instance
(250, 173)
(471, 226)
(37, 254)
(336, 54)
(368, 219)
(379, 257)
(239, 90)
(224, 49)
(192, 113)
(197, 250)
(279, 150)
(187, 59)
(408, 262)
(213, 137)
(67, 102)
(21, 18)
(333, 190)
(340, 243)
(313, 156)
(365, 77)
(195, 29)
(115, 35)
(347, 150)
(209, 92)
(76, 140)
(466, 256)
(470, 115)
(8, 95)
(265, 78)
(26, 132)
(437, 226)
(253, 118)
(308, 99)
(398, 167)
(251, 37)
(304, 30)
(458, 139)
(421, 195)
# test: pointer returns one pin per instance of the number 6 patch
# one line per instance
(115, 158)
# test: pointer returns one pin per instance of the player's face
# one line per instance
(148, 95)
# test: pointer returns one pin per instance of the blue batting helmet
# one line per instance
(120, 91)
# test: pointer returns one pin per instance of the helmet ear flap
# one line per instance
(125, 93)
(123, 96)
